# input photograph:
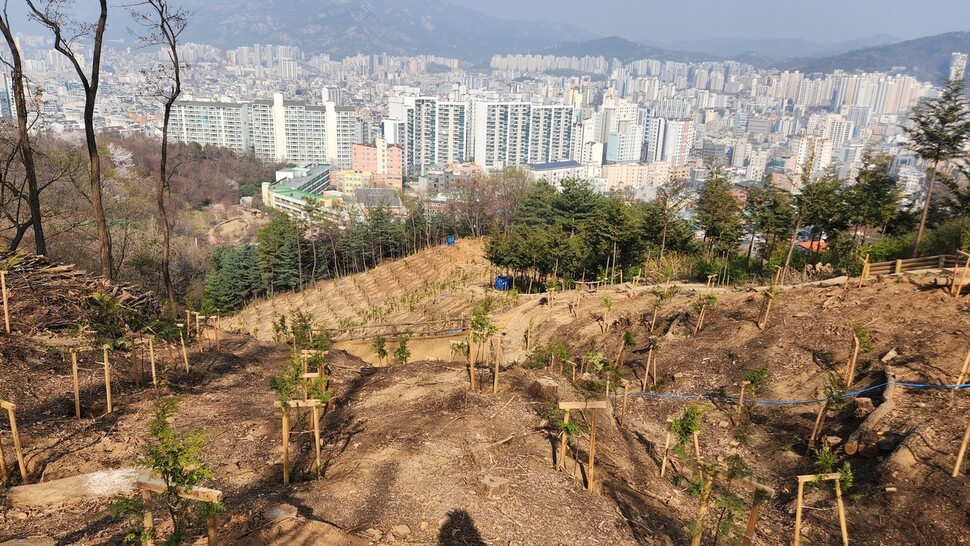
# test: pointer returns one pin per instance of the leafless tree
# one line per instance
(163, 25)
(26, 150)
(53, 14)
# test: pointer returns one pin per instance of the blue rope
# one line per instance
(735, 399)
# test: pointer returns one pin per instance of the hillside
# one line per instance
(411, 455)
(926, 58)
(433, 284)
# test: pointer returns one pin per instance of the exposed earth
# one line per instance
(411, 455)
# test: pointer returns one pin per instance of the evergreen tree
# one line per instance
(939, 133)
(718, 212)
(278, 254)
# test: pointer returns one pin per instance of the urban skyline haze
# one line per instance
(830, 21)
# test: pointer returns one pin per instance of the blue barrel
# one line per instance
(503, 282)
(450, 242)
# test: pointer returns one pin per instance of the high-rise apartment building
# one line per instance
(272, 130)
(669, 140)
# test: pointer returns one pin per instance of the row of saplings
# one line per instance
(715, 484)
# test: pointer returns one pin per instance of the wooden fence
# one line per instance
(943, 261)
(434, 328)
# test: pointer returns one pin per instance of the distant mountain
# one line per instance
(774, 48)
(348, 27)
(614, 47)
(926, 58)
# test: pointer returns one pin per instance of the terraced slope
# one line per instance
(437, 283)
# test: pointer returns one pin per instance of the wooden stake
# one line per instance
(107, 379)
(6, 309)
(471, 364)
(702, 511)
(564, 439)
(77, 385)
(838, 502)
(817, 428)
(798, 513)
(219, 339)
(185, 355)
(697, 447)
(11, 408)
(654, 370)
(495, 379)
(752, 524)
(700, 319)
(211, 526)
(149, 521)
(964, 370)
(850, 367)
(741, 397)
(963, 451)
(151, 354)
(316, 436)
(4, 476)
(592, 449)
(663, 464)
(646, 369)
(865, 271)
(198, 333)
(286, 446)
(626, 389)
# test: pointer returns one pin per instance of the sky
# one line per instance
(827, 21)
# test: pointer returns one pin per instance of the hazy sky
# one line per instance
(816, 20)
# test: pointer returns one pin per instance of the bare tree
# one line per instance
(67, 32)
(163, 25)
(25, 148)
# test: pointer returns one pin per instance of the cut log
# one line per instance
(865, 439)
(96, 485)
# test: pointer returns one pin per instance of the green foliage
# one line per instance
(379, 345)
(718, 213)
(557, 418)
(865, 341)
(846, 478)
(541, 355)
(289, 383)
(402, 353)
(234, 278)
(757, 378)
(132, 511)
(834, 391)
(687, 424)
(825, 458)
(607, 303)
(176, 458)
(108, 318)
(482, 326)
(629, 340)
(708, 300)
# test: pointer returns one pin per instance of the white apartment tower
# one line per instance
(958, 65)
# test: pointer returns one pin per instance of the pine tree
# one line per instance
(940, 130)
(718, 212)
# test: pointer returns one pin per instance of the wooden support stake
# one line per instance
(697, 447)
(838, 501)
(654, 365)
(752, 524)
(11, 408)
(741, 397)
(817, 428)
(107, 379)
(149, 521)
(850, 367)
(626, 392)
(286, 446)
(211, 528)
(592, 449)
(198, 332)
(495, 379)
(963, 451)
(185, 354)
(77, 385)
(663, 464)
(471, 364)
(702, 511)
(219, 340)
(4, 476)
(151, 356)
(964, 370)
(865, 271)
(798, 513)
(563, 440)
(6, 308)
(646, 370)
(316, 437)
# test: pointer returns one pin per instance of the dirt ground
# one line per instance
(406, 447)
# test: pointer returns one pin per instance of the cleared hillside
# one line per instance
(437, 283)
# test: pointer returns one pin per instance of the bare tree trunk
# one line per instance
(53, 20)
(791, 247)
(926, 210)
(26, 150)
